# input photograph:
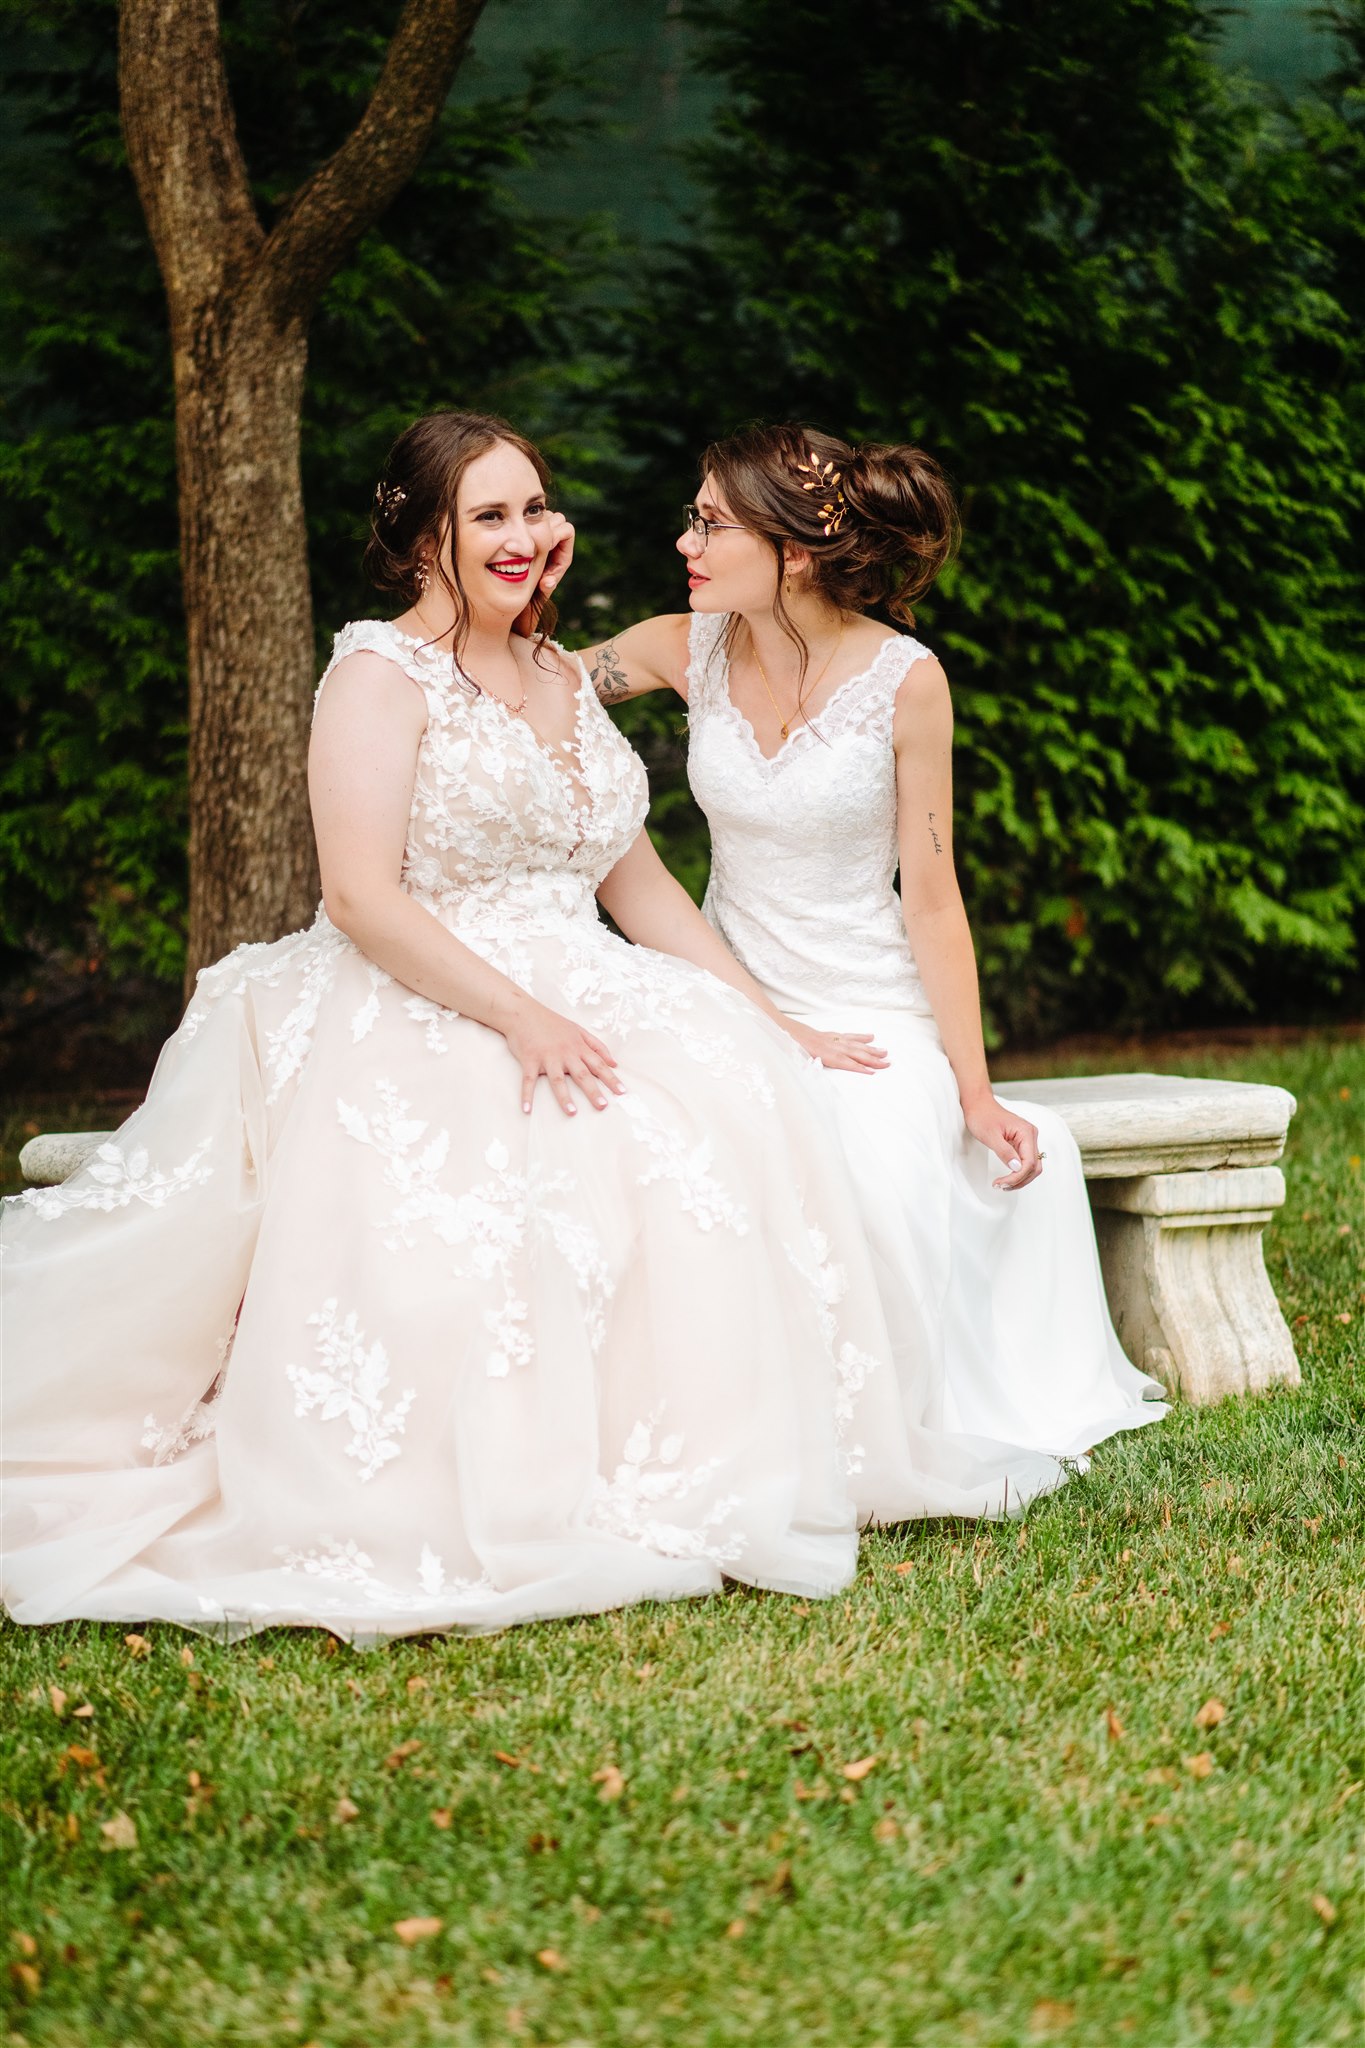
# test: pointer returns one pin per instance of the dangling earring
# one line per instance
(423, 578)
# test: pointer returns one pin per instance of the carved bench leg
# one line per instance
(1185, 1274)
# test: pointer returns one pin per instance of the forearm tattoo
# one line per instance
(608, 676)
(938, 843)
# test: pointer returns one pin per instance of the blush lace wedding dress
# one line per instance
(332, 1332)
(994, 1301)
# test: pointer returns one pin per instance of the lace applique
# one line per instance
(627, 1504)
(828, 1283)
(703, 1197)
(287, 1049)
(351, 1383)
(346, 1564)
(199, 1421)
(434, 1016)
(365, 1017)
(491, 1220)
(111, 1180)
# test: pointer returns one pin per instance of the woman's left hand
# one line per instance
(1012, 1138)
(851, 1050)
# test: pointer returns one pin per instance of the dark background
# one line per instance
(1106, 261)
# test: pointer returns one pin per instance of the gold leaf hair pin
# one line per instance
(388, 498)
(825, 479)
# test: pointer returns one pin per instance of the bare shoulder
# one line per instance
(924, 703)
(367, 688)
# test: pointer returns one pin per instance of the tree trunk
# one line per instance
(244, 554)
(240, 302)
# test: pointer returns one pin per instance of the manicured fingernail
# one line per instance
(1015, 1165)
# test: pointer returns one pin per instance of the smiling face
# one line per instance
(734, 570)
(502, 534)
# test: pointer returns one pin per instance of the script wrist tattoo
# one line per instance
(608, 676)
(938, 843)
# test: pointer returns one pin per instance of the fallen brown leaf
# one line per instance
(735, 1929)
(24, 1974)
(1051, 2016)
(610, 1781)
(85, 1713)
(907, 1564)
(440, 1816)
(1220, 1628)
(1210, 1714)
(400, 1755)
(138, 1646)
(417, 1685)
(418, 1929)
(345, 1810)
(886, 1829)
(120, 1832)
(186, 1655)
(542, 1845)
(58, 1699)
(1200, 1766)
(27, 1946)
(1324, 1908)
(858, 1770)
(550, 1959)
(1113, 1725)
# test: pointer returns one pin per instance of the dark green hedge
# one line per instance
(1118, 294)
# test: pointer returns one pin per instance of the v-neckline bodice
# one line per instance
(572, 773)
(745, 726)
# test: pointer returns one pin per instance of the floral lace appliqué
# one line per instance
(628, 1503)
(111, 1179)
(351, 1383)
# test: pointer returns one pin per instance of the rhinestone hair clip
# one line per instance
(388, 498)
(825, 478)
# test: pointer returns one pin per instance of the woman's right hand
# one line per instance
(547, 1044)
(853, 1051)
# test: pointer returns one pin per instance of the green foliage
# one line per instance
(1118, 294)
(1113, 292)
(460, 297)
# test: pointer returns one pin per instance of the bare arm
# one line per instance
(361, 766)
(653, 909)
(936, 917)
(650, 656)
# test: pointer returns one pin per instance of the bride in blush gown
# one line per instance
(819, 747)
(356, 1323)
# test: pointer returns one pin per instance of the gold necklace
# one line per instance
(784, 725)
(512, 710)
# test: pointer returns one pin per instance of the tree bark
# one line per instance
(240, 302)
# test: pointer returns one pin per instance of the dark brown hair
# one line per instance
(414, 507)
(899, 523)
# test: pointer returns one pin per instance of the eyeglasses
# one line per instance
(697, 522)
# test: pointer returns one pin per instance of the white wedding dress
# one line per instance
(994, 1301)
(332, 1332)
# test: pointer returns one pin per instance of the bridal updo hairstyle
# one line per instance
(414, 508)
(877, 537)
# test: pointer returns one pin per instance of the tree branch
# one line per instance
(182, 146)
(331, 211)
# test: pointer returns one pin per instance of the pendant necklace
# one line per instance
(785, 725)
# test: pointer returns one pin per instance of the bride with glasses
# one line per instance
(820, 750)
(354, 1322)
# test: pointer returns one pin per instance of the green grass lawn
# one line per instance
(983, 1799)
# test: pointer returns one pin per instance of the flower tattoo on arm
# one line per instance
(608, 676)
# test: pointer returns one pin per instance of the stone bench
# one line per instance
(1182, 1180)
